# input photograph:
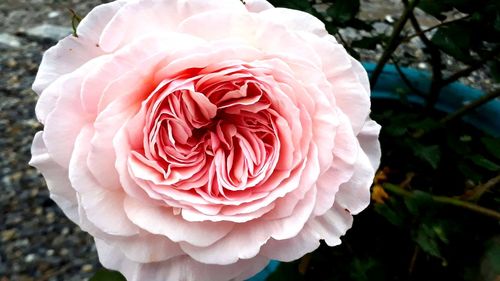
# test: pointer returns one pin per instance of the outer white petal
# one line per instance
(256, 6)
(345, 154)
(354, 195)
(368, 139)
(295, 20)
(141, 18)
(146, 248)
(291, 249)
(162, 221)
(102, 207)
(276, 40)
(245, 240)
(56, 177)
(72, 52)
(181, 268)
(331, 225)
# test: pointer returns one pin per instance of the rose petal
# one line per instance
(72, 52)
(140, 18)
(94, 199)
(295, 20)
(256, 6)
(162, 221)
(354, 195)
(331, 225)
(245, 240)
(56, 178)
(291, 249)
(178, 268)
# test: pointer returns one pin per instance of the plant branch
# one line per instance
(479, 190)
(419, 33)
(446, 201)
(344, 42)
(413, 260)
(471, 68)
(471, 106)
(405, 78)
(393, 43)
(75, 20)
(435, 61)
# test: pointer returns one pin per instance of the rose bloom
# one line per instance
(197, 140)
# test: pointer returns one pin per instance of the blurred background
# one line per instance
(405, 234)
(37, 242)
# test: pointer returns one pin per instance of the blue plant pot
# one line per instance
(262, 276)
(452, 97)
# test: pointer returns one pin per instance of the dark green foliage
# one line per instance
(413, 236)
(107, 275)
(455, 40)
(494, 67)
(368, 42)
(492, 146)
(302, 5)
(343, 11)
(435, 8)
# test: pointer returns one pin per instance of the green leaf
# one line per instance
(492, 146)
(369, 43)
(495, 68)
(396, 218)
(470, 173)
(302, 5)
(343, 11)
(455, 40)
(430, 154)
(458, 145)
(490, 264)
(425, 124)
(496, 24)
(419, 202)
(361, 24)
(107, 275)
(468, 6)
(435, 8)
(482, 162)
(427, 238)
(368, 269)
(395, 130)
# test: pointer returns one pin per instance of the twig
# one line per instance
(471, 68)
(447, 201)
(435, 61)
(471, 106)
(413, 260)
(405, 78)
(344, 42)
(393, 43)
(75, 20)
(419, 33)
(479, 190)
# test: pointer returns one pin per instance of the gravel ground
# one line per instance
(37, 241)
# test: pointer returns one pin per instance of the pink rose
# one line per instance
(198, 139)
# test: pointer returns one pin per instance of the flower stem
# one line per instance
(393, 43)
(447, 201)
(479, 190)
(419, 33)
(471, 106)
